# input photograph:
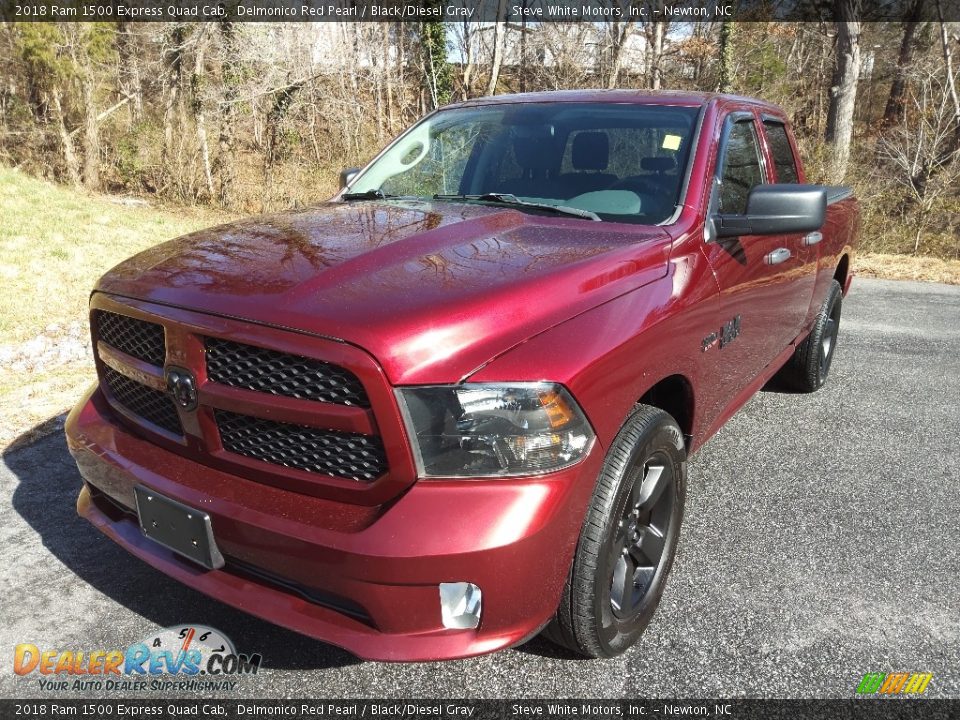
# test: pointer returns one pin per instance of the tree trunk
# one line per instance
(224, 165)
(378, 78)
(128, 75)
(727, 32)
(953, 147)
(843, 90)
(173, 63)
(199, 115)
(619, 33)
(282, 98)
(468, 59)
(353, 73)
(66, 142)
(388, 77)
(317, 156)
(91, 133)
(437, 78)
(499, 32)
(893, 113)
(523, 50)
(655, 48)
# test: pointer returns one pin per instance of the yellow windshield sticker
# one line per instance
(671, 142)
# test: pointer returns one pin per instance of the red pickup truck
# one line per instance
(453, 406)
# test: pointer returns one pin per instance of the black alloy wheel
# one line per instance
(809, 366)
(828, 340)
(641, 538)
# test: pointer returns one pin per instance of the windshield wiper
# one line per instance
(367, 195)
(510, 199)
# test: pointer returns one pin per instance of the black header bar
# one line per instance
(513, 11)
(893, 708)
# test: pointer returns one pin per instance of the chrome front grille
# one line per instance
(280, 373)
(345, 455)
(137, 338)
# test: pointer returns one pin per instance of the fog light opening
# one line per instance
(460, 605)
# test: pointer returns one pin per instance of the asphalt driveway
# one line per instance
(821, 542)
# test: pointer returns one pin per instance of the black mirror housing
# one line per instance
(777, 209)
(347, 175)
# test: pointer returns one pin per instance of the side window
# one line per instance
(783, 160)
(742, 169)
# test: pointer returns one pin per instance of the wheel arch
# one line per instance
(843, 271)
(675, 396)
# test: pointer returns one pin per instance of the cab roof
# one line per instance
(639, 97)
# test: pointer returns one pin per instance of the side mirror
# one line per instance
(347, 175)
(777, 209)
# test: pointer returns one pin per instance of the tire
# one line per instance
(628, 540)
(809, 367)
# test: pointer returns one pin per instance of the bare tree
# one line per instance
(565, 61)
(467, 36)
(198, 88)
(726, 54)
(499, 33)
(893, 113)
(172, 52)
(655, 31)
(618, 34)
(918, 154)
(129, 78)
(91, 132)
(230, 81)
(83, 45)
(843, 91)
(954, 147)
(66, 141)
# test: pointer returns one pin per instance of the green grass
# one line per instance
(55, 243)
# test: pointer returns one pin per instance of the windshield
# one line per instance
(622, 162)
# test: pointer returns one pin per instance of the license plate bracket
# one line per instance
(178, 527)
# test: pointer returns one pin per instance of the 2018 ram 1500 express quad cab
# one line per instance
(453, 406)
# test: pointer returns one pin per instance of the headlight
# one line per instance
(493, 430)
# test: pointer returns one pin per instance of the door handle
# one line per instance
(812, 239)
(775, 257)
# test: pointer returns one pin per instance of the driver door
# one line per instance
(760, 310)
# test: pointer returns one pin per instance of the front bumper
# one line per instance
(364, 579)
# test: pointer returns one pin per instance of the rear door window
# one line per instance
(783, 160)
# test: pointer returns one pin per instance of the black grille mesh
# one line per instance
(139, 338)
(344, 455)
(150, 404)
(279, 373)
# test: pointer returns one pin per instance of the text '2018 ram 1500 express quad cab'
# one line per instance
(453, 406)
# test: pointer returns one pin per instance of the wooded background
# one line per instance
(261, 117)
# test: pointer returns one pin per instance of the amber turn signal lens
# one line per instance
(559, 413)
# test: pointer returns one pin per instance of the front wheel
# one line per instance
(629, 538)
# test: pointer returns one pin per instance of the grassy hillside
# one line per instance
(54, 244)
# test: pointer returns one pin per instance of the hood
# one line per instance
(432, 290)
